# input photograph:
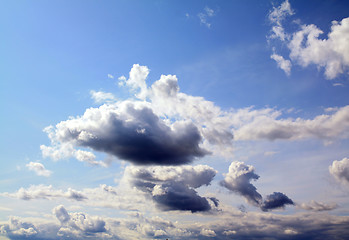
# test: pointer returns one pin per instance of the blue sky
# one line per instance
(174, 119)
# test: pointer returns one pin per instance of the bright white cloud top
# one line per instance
(203, 138)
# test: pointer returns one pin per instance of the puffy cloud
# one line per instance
(78, 224)
(45, 192)
(39, 169)
(284, 64)
(306, 47)
(275, 200)
(102, 97)
(340, 170)
(130, 131)
(207, 233)
(173, 188)
(238, 180)
(318, 206)
(331, 53)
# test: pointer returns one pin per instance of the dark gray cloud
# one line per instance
(238, 180)
(173, 188)
(275, 200)
(176, 196)
(131, 132)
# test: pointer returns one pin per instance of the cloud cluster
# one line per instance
(205, 15)
(173, 188)
(78, 225)
(307, 47)
(228, 224)
(163, 126)
(340, 170)
(39, 169)
(238, 180)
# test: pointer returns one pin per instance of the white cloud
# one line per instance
(340, 170)
(45, 192)
(39, 169)
(318, 206)
(102, 97)
(284, 64)
(307, 47)
(276, 16)
(332, 53)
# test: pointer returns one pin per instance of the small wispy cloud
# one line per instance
(206, 15)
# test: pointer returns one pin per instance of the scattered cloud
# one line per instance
(110, 76)
(39, 169)
(283, 64)
(45, 192)
(102, 97)
(340, 170)
(206, 15)
(307, 47)
(318, 206)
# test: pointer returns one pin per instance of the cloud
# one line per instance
(163, 126)
(252, 225)
(340, 170)
(173, 188)
(284, 64)
(238, 180)
(130, 131)
(326, 127)
(205, 15)
(276, 16)
(307, 47)
(77, 224)
(318, 206)
(136, 80)
(275, 200)
(102, 97)
(45, 192)
(39, 169)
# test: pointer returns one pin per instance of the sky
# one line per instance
(159, 119)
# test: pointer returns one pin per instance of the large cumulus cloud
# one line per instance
(130, 131)
(173, 188)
